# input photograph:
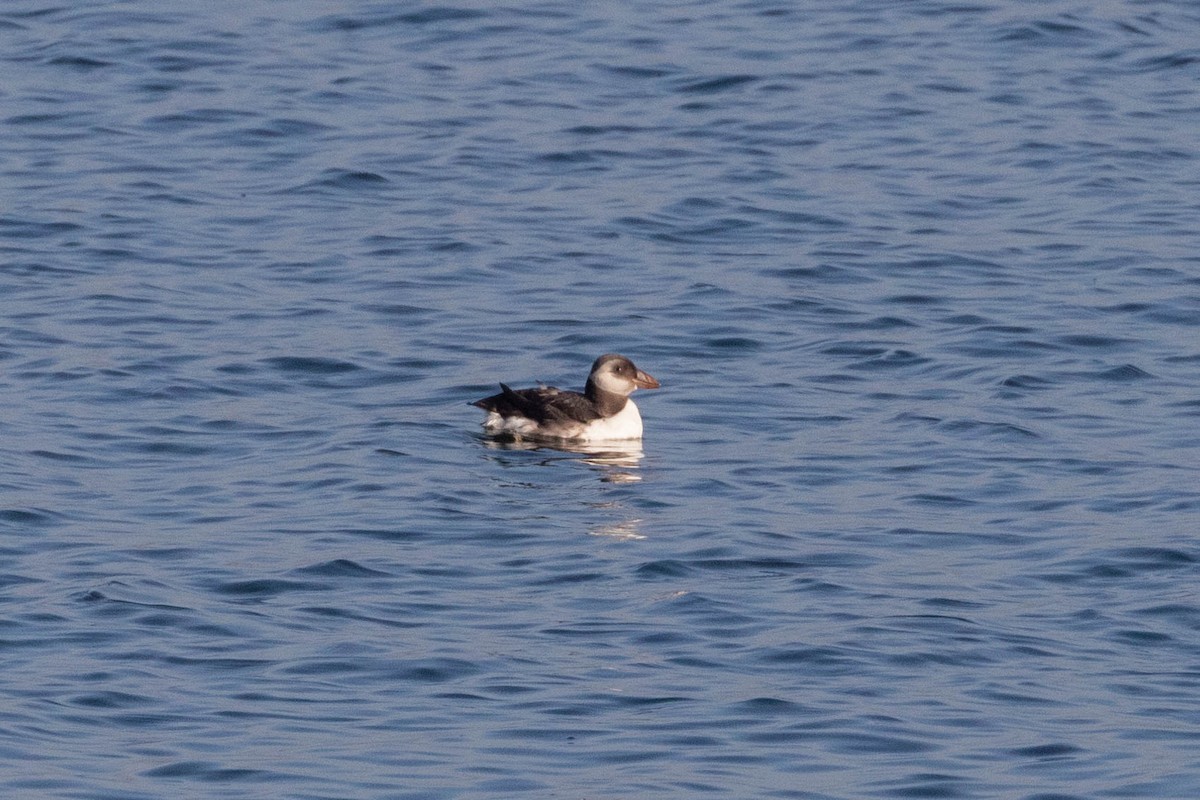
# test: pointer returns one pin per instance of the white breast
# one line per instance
(625, 425)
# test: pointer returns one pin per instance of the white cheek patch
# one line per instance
(611, 383)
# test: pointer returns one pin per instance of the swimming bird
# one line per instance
(602, 412)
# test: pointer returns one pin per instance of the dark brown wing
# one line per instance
(542, 405)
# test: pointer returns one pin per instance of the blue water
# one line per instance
(917, 509)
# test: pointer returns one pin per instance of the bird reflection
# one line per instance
(617, 462)
(613, 459)
(619, 531)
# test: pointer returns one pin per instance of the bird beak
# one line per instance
(644, 380)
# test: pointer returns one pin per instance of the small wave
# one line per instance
(310, 365)
(212, 773)
(1028, 382)
(1166, 62)
(1126, 373)
(345, 179)
(1006, 430)
(427, 16)
(82, 63)
(719, 84)
(339, 568)
(262, 587)
(25, 517)
(11, 228)
(891, 360)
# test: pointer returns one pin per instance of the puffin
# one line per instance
(602, 412)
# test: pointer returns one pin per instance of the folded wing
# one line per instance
(544, 404)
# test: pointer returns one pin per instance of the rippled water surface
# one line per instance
(916, 513)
